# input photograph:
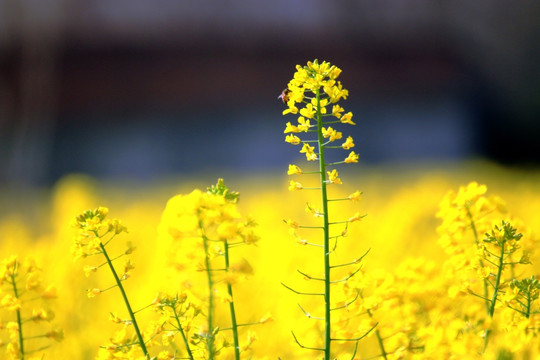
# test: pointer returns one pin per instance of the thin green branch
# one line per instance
(309, 276)
(19, 322)
(305, 347)
(358, 338)
(347, 277)
(210, 315)
(302, 293)
(346, 304)
(352, 262)
(181, 330)
(231, 308)
(126, 302)
(308, 315)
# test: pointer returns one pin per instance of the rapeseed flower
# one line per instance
(207, 226)
(315, 87)
(26, 300)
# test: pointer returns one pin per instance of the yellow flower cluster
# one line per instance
(316, 88)
(186, 215)
(427, 311)
(487, 255)
(20, 289)
(94, 235)
(428, 303)
(92, 226)
(204, 227)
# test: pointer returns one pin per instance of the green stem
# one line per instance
(210, 316)
(186, 343)
(480, 262)
(126, 301)
(528, 313)
(384, 354)
(322, 169)
(234, 324)
(497, 282)
(19, 321)
(491, 311)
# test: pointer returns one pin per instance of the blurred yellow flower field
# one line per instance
(400, 231)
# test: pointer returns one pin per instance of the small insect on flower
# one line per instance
(284, 95)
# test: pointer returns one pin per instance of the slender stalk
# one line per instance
(19, 321)
(528, 313)
(126, 301)
(480, 262)
(384, 354)
(497, 282)
(210, 316)
(322, 169)
(234, 324)
(491, 310)
(186, 343)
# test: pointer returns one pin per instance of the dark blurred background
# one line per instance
(142, 89)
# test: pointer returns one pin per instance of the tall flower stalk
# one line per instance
(208, 226)
(20, 290)
(95, 232)
(484, 268)
(315, 88)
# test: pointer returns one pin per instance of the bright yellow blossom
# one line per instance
(290, 128)
(347, 119)
(309, 151)
(88, 269)
(303, 124)
(91, 293)
(10, 302)
(291, 110)
(333, 177)
(309, 111)
(292, 139)
(356, 196)
(294, 170)
(348, 143)
(352, 158)
(337, 110)
(294, 185)
(331, 134)
(357, 216)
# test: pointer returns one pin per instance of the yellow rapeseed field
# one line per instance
(396, 262)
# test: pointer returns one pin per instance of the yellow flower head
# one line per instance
(331, 134)
(352, 158)
(294, 170)
(357, 216)
(337, 110)
(91, 293)
(347, 119)
(309, 151)
(293, 185)
(290, 128)
(309, 111)
(356, 196)
(348, 143)
(303, 124)
(333, 177)
(10, 302)
(292, 139)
